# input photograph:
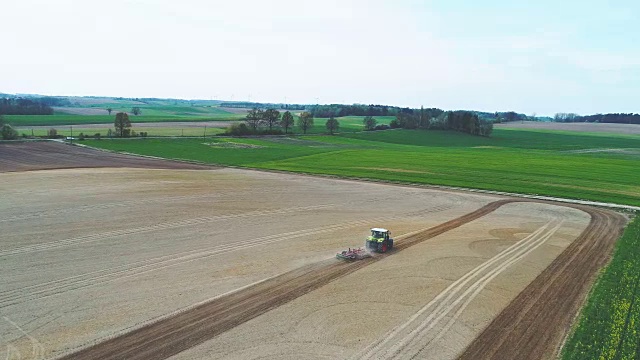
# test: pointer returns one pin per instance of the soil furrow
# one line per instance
(533, 325)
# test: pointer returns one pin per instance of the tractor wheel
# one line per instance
(390, 244)
(383, 247)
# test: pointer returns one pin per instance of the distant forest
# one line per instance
(338, 110)
(436, 119)
(21, 106)
(601, 118)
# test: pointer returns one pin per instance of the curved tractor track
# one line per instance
(532, 326)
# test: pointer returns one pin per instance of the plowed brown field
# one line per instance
(54, 155)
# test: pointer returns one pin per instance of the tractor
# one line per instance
(379, 241)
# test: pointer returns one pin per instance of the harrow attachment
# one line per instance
(353, 254)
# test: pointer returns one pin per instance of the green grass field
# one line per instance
(347, 124)
(609, 325)
(520, 161)
(166, 113)
(62, 123)
(168, 131)
(58, 120)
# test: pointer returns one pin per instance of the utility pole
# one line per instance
(205, 133)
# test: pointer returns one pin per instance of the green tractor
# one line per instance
(379, 241)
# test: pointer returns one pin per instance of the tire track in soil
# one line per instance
(60, 286)
(408, 340)
(534, 324)
(184, 330)
(110, 205)
(162, 226)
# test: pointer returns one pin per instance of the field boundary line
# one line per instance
(389, 182)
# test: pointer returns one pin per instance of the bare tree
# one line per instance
(254, 118)
(305, 122)
(122, 124)
(332, 125)
(287, 121)
(271, 117)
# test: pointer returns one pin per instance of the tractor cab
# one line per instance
(379, 241)
(378, 233)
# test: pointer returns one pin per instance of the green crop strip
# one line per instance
(609, 326)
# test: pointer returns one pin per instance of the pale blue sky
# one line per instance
(542, 56)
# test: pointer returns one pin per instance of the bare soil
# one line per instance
(175, 334)
(41, 155)
(88, 254)
(427, 301)
(535, 323)
(580, 127)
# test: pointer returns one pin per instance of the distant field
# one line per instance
(155, 131)
(53, 120)
(173, 124)
(581, 127)
(347, 124)
(553, 164)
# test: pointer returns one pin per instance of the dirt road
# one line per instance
(550, 302)
(54, 155)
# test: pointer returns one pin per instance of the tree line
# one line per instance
(614, 118)
(22, 106)
(339, 110)
(435, 119)
(272, 122)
